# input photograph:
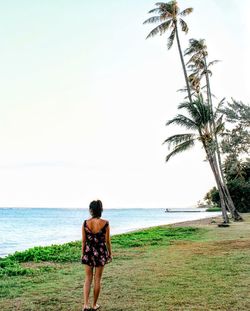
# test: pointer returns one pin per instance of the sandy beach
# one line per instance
(199, 222)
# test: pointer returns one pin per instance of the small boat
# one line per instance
(179, 210)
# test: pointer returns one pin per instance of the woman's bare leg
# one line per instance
(97, 284)
(87, 285)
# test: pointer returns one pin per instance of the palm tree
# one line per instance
(169, 16)
(198, 120)
(198, 63)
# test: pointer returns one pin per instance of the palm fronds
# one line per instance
(183, 121)
(180, 148)
(177, 139)
(160, 29)
(153, 19)
(197, 118)
(184, 26)
(186, 11)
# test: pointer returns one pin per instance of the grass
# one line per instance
(161, 268)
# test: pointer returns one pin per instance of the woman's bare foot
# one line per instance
(96, 307)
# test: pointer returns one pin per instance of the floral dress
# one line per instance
(95, 249)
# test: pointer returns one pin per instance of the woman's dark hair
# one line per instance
(95, 209)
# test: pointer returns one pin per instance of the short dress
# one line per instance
(95, 250)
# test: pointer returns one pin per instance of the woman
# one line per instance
(96, 251)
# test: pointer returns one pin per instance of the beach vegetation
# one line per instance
(10, 267)
(70, 252)
(58, 253)
(154, 236)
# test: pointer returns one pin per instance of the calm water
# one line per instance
(22, 228)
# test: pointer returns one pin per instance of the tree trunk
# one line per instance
(212, 162)
(220, 188)
(235, 214)
(183, 64)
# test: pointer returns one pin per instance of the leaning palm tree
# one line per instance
(198, 119)
(168, 16)
(198, 63)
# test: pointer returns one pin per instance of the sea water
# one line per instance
(22, 228)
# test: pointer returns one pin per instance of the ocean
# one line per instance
(23, 228)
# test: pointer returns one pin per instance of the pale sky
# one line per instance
(84, 99)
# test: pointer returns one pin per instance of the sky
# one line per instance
(84, 100)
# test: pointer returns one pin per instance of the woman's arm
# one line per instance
(83, 239)
(108, 241)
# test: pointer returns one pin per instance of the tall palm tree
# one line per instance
(198, 120)
(168, 16)
(198, 62)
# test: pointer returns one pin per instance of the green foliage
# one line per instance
(10, 267)
(235, 145)
(237, 112)
(236, 169)
(236, 139)
(154, 236)
(199, 117)
(212, 197)
(239, 188)
(59, 253)
(71, 252)
(13, 268)
(240, 193)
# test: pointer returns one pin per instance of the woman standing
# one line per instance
(96, 251)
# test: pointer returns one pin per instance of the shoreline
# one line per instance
(188, 223)
(197, 222)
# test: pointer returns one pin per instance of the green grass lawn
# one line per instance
(161, 268)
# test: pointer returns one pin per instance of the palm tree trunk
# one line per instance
(229, 202)
(235, 214)
(219, 186)
(183, 63)
(212, 161)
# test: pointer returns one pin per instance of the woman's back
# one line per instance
(95, 224)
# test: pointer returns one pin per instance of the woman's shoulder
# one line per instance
(104, 220)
